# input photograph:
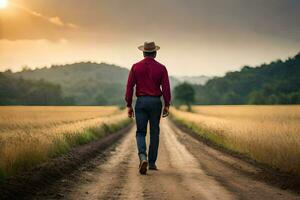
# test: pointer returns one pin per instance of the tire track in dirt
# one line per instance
(194, 179)
(107, 179)
(179, 176)
(235, 174)
(188, 169)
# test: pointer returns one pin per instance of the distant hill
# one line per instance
(275, 83)
(17, 91)
(90, 83)
(86, 83)
(197, 80)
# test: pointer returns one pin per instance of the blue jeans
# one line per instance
(148, 109)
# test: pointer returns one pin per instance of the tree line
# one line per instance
(275, 83)
(87, 82)
(100, 84)
(17, 91)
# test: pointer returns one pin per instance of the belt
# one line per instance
(141, 96)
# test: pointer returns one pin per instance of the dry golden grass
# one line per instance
(30, 135)
(268, 134)
(23, 117)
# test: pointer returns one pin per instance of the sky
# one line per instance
(197, 37)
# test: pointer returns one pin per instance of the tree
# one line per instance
(277, 82)
(101, 100)
(256, 97)
(185, 94)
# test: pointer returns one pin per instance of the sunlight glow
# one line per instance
(3, 4)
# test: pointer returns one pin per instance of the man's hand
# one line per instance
(130, 112)
(165, 111)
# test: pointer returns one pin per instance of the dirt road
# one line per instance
(188, 169)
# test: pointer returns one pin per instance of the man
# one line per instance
(152, 81)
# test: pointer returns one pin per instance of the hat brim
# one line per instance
(152, 50)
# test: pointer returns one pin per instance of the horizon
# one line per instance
(197, 37)
(113, 64)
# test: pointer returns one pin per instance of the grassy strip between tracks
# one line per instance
(36, 152)
(205, 133)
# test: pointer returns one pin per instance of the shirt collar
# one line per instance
(148, 58)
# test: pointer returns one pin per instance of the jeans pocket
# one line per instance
(138, 103)
(159, 103)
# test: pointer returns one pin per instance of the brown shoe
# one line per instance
(143, 167)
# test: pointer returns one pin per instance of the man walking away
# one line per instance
(152, 81)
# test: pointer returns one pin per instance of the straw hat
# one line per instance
(149, 47)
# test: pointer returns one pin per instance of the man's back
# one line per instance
(148, 75)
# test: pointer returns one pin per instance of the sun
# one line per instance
(3, 4)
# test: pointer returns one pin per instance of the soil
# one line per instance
(30, 183)
(188, 169)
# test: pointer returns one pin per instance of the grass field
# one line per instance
(267, 134)
(31, 135)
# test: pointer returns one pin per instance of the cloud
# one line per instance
(36, 14)
(53, 20)
(71, 25)
(57, 21)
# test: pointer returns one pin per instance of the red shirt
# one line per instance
(150, 78)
